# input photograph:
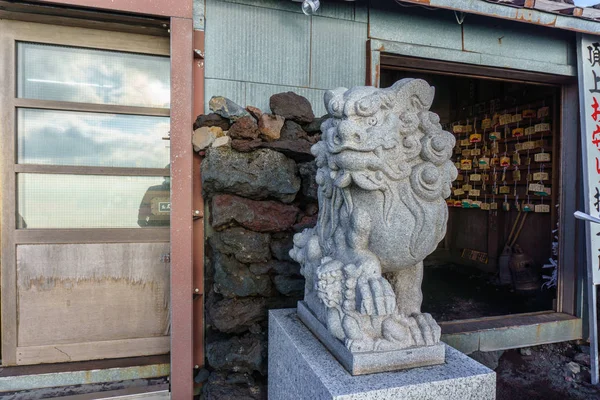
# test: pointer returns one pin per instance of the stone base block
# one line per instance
(301, 368)
(371, 362)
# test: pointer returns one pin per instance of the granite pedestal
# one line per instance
(301, 368)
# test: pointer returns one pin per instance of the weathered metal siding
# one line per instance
(415, 25)
(479, 40)
(528, 47)
(539, 13)
(256, 44)
(258, 48)
(198, 14)
(258, 94)
(255, 48)
(234, 90)
(492, 36)
(338, 53)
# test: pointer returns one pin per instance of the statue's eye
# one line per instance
(372, 121)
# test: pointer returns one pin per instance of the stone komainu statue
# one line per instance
(384, 171)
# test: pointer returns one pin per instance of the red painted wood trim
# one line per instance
(198, 229)
(182, 340)
(161, 8)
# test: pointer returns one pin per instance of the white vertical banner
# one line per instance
(588, 62)
(589, 94)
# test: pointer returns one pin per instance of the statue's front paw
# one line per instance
(376, 296)
(430, 331)
(399, 330)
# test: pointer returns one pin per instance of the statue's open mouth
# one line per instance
(362, 147)
(366, 162)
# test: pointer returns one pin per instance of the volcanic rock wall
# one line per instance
(258, 182)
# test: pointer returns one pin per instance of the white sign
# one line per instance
(589, 78)
(588, 63)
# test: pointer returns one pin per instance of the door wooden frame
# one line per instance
(169, 19)
(12, 31)
(382, 55)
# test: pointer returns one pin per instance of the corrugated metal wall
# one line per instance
(436, 34)
(255, 48)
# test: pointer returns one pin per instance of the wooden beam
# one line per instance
(198, 225)
(91, 107)
(182, 276)
(569, 167)
(469, 70)
(92, 350)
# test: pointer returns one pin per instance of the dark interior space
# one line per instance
(476, 269)
(454, 292)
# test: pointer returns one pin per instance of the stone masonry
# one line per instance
(258, 178)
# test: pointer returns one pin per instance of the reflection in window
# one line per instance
(92, 201)
(91, 139)
(48, 72)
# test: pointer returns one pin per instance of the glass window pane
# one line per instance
(92, 201)
(48, 72)
(91, 139)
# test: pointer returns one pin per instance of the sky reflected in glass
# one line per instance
(49, 72)
(52, 137)
(92, 201)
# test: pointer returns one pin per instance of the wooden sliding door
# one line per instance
(85, 193)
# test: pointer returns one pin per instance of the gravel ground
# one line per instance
(557, 371)
(548, 372)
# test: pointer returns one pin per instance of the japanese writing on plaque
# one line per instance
(590, 103)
